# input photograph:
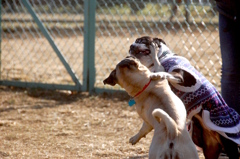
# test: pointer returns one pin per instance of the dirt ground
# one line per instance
(57, 124)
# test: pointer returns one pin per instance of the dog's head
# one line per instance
(141, 45)
(129, 74)
(140, 49)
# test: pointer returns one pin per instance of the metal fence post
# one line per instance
(0, 36)
(89, 45)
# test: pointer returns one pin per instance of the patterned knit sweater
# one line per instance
(216, 114)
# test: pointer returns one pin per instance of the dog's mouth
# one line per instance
(136, 51)
(139, 49)
(144, 52)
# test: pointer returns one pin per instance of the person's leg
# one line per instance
(229, 32)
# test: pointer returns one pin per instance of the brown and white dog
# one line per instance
(149, 51)
(159, 108)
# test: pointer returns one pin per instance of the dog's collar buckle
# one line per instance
(131, 102)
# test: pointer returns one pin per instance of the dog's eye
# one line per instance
(138, 41)
(143, 41)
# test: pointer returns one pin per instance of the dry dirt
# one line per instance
(56, 124)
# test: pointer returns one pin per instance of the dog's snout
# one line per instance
(132, 47)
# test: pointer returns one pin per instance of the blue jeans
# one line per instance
(229, 32)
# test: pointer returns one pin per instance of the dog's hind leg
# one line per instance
(145, 129)
(207, 139)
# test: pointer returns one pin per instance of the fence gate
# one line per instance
(42, 44)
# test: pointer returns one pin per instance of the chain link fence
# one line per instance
(27, 54)
(189, 27)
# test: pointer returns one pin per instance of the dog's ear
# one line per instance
(158, 41)
(128, 62)
(111, 80)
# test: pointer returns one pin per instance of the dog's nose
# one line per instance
(132, 47)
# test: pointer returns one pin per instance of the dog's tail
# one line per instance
(170, 124)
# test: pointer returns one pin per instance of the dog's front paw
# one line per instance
(133, 140)
(158, 75)
(153, 51)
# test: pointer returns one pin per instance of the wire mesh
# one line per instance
(189, 27)
(26, 53)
